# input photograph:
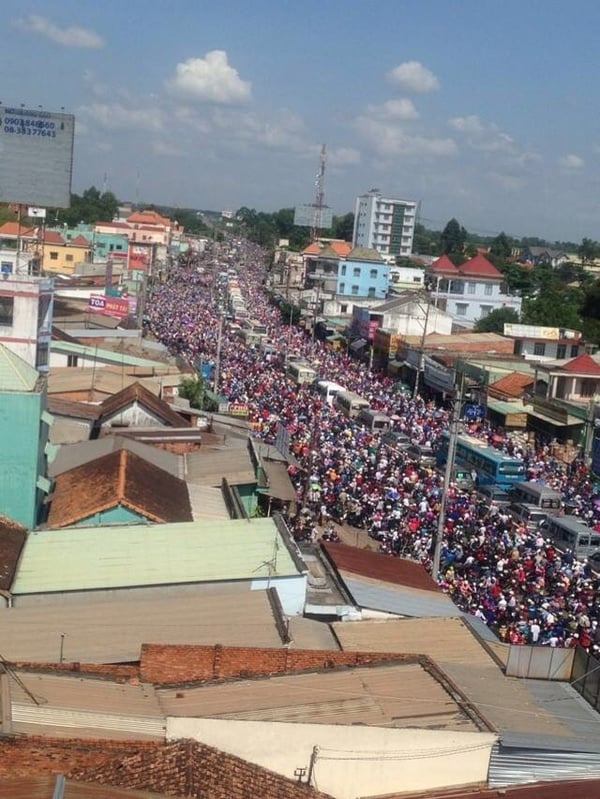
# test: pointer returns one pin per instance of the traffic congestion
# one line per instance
(382, 478)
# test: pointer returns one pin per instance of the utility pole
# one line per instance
(439, 534)
(422, 348)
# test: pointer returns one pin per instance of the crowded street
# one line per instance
(515, 580)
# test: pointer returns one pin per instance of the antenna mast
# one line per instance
(319, 195)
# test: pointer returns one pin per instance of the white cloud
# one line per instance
(571, 162)
(400, 109)
(481, 136)
(118, 117)
(343, 156)
(210, 79)
(507, 182)
(391, 140)
(412, 76)
(71, 36)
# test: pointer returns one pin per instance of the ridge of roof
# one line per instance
(583, 363)
(136, 392)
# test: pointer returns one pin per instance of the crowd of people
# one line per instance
(516, 581)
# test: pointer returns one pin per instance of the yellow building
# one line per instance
(61, 256)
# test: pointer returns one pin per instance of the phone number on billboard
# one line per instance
(29, 127)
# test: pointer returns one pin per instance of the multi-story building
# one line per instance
(26, 306)
(384, 224)
(470, 291)
(538, 343)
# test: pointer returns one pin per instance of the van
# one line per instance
(538, 494)
(462, 478)
(529, 515)
(374, 420)
(424, 456)
(494, 495)
(350, 404)
(328, 390)
(396, 440)
(300, 372)
(570, 532)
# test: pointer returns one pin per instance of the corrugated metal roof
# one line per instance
(382, 568)
(109, 356)
(113, 631)
(15, 373)
(103, 380)
(71, 455)
(444, 640)
(80, 559)
(397, 599)
(207, 502)
(402, 695)
(510, 766)
(209, 466)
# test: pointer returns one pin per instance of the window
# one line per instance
(71, 360)
(6, 311)
(574, 350)
(343, 270)
(472, 287)
(539, 348)
(342, 288)
(41, 357)
(485, 310)
(343, 308)
(462, 308)
(356, 271)
(373, 274)
(488, 289)
(561, 352)
(588, 388)
(54, 256)
(371, 292)
(416, 279)
(68, 257)
(355, 290)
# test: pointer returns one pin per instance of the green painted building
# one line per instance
(24, 434)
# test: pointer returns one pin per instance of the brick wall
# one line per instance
(114, 671)
(184, 768)
(165, 664)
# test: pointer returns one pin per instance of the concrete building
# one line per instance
(535, 342)
(26, 308)
(24, 427)
(470, 291)
(385, 224)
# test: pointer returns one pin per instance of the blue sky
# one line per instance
(486, 111)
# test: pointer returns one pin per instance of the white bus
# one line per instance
(301, 372)
(350, 404)
(328, 390)
(570, 532)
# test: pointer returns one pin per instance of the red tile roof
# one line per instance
(119, 478)
(444, 265)
(479, 266)
(583, 364)
(512, 385)
(383, 568)
(52, 237)
(148, 218)
(312, 249)
(12, 229)
(80, 241)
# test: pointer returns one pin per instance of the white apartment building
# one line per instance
(384, 224)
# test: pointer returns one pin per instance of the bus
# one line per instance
(490, 465)
(539, 495)
(256, 327)
(301, 372)
(350, 404)
(570, 532)
(328, 390)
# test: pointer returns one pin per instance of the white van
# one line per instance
(328, 390)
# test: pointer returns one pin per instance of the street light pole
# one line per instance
(439, 534)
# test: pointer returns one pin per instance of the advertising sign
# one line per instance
(36, 157)
(110, 306)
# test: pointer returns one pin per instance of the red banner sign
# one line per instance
(110, 306)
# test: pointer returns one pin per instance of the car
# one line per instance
(396, 440)
(424, 456)
(494, 495)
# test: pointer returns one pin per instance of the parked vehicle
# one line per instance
(374, 420)
(530, 515)
(570, 532)
(539, 495)
(328, 390)
(495, 495)
(424, 456)
(350, 404)
(396, 440)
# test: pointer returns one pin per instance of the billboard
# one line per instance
(111, 306)
(313, 216)
(36, 157)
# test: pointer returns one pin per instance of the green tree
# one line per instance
(89, 208)
(494, 322)
(453, 239)
(501, 247)
(343, 226)
(588, 251)
(554, 306)
(192, 389)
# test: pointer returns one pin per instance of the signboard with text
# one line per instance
(110, 306)
(36, 157)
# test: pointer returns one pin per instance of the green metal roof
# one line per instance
(110, 356)
(504, 407)
(15, 373)
(87, 558)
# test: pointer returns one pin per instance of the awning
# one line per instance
(358, 344)
(572, 421)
